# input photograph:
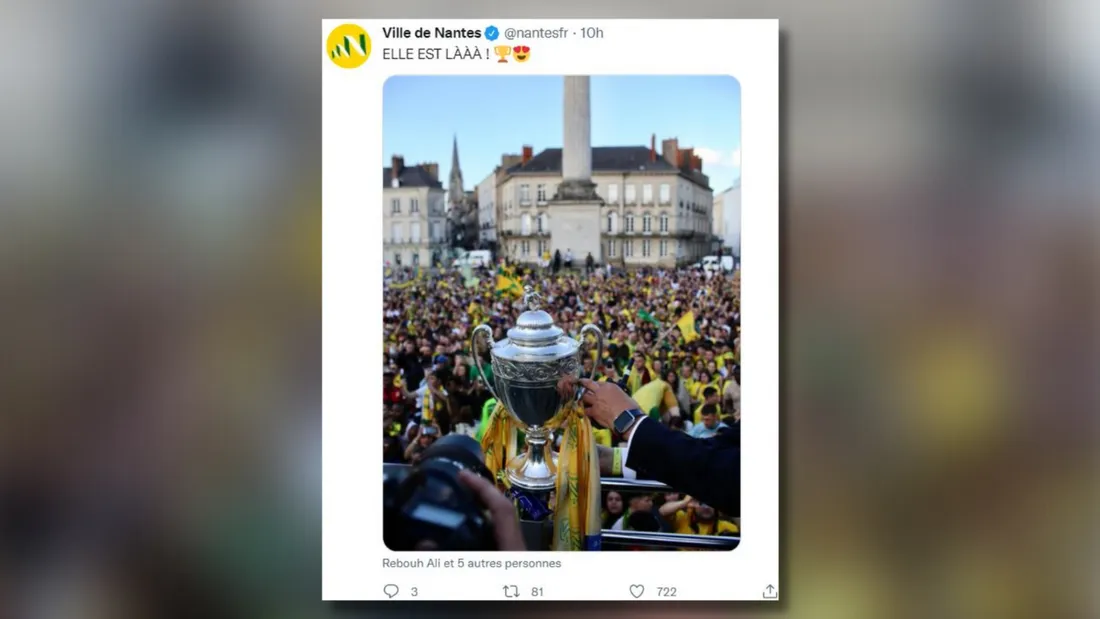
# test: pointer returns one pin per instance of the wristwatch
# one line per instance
(626, 419)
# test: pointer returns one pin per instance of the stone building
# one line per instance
(628, 205)
(414, 218)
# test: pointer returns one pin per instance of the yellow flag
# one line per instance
(577, 512)
(510, 286)
(686, 325)
(577, 490)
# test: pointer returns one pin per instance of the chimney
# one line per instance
(653, 148)
(432, 170)
(507, 161)
(397, 164)
(686, 158)
(528, 152)
(697, 164)
(670, 151)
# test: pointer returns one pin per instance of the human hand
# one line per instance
(603, 402)
(501, 510)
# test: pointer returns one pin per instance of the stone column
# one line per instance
(576, 156)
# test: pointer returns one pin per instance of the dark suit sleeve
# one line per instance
(707, 469)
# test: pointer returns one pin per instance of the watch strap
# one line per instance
(626, 419)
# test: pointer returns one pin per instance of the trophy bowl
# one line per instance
(527, 366)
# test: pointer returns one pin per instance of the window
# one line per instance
(611, 221)
(415, 232)
(613, 193)
(395, 233)
(397, 258)
(663, 248)
(414, 205)
(645, 248)
(664, 222)
(542, 247)
(540, 191)
(629, 222)
(524, 194)
(647, 223)
(525, 224)
(544, 223)
(630, 197)
(416, 258)
(395, 205)
(611, 249)
(628, 248)
(433, 227)
(666, 194)
(525, 248)
(647, 194)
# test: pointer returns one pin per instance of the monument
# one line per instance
(575, 207)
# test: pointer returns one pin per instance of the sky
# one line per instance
(494, 115)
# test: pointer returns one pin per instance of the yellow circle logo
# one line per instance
(348, 46)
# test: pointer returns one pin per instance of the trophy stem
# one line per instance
(536, 469)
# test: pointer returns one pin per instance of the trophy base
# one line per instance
(536, 470)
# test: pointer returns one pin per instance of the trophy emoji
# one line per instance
(503, 51)
(527, 366)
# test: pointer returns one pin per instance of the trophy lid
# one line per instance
(534, 328)
(535, 333)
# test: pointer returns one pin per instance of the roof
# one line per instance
(411, 176)
(610, 159)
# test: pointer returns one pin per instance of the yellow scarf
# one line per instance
(576, 511)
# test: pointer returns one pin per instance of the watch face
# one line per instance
(623, 421)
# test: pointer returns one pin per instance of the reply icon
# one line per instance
(390, 590)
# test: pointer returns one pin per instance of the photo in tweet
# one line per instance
(617, 263)
(560, 235)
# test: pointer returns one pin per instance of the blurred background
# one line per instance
(160, 295)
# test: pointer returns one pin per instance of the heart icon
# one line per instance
(637, 591)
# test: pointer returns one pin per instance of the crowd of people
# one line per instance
(672, 344)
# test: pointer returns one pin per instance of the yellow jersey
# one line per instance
(682, 523)
(655, 398)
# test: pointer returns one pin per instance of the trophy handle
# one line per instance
(477, 357)
(598, 334)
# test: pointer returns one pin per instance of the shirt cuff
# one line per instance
(629, 473)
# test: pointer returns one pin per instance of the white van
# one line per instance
(711, 263)
(476, 259)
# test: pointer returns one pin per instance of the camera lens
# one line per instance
(430, 505)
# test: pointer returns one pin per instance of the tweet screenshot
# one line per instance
(550, 288)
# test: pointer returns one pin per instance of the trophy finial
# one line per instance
(531, 298)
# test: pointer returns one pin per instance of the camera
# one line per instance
(427, 507)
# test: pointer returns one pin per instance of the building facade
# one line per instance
(489, 204)
(414, 217)
(727, 218)
(486, 211)
(657, 207)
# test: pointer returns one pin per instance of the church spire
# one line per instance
(454, 155)
(455, 189)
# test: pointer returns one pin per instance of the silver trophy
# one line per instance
(527, 366)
